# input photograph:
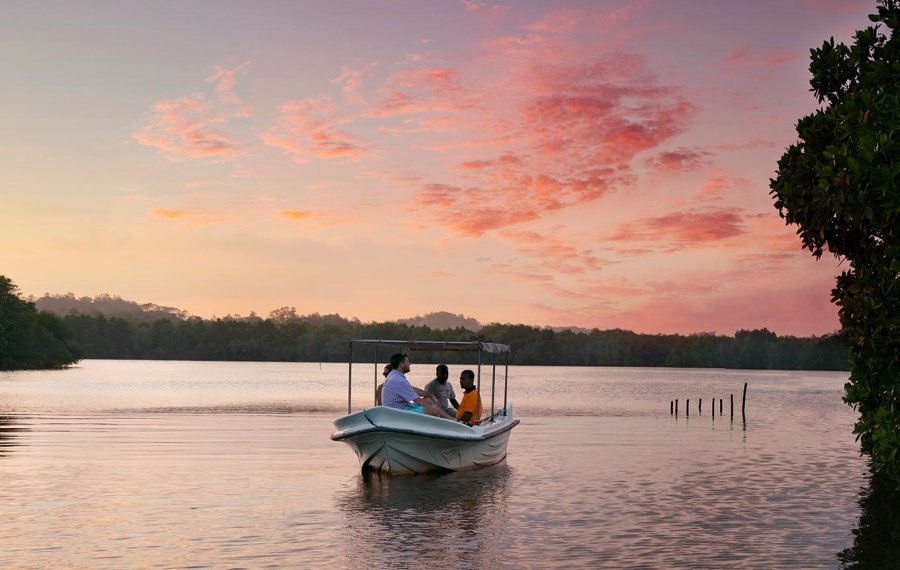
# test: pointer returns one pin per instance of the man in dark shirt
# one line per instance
(443, 390)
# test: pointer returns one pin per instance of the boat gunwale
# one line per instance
(388, 429)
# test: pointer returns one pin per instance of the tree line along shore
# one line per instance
(35, 339)
(325, 340)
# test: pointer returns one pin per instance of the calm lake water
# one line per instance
(125, 464)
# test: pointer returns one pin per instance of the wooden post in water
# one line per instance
(712, 409)
(744, 400)
(700, 407)
(731, 396)
(676, 408)
(671, 407)
(687, 408)
(720, 406)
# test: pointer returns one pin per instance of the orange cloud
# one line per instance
(173, 214)
(189, 219)
(300, 215)
(312, 220)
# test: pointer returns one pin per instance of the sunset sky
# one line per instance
(590, 164)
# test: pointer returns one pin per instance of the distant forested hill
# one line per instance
(107, 305)
(443, 320)
(30, 339)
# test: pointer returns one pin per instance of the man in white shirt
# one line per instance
(399, 394)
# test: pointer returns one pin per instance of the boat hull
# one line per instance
(397, 442)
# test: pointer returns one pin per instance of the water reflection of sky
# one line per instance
(233, 460)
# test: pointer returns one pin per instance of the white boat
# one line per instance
(398, 442)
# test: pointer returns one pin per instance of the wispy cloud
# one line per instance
(194, 126)
(173, 214)
(301, 215)
(310, 129)
(314, 220)
(680, 229)
(187, 219)
(768, 57)
(682, 159)
(430, 91)
(351, 82)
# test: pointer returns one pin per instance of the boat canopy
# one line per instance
(434, 345)
(470, 345)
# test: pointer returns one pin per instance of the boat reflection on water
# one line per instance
(453, 519)
(876, 540)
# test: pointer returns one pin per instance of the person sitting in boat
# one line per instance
(385, 372)
(399, 394)
(469, 410)
(443, 390)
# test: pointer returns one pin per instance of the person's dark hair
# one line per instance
(468, 374)
(441, 368)
(396, 359)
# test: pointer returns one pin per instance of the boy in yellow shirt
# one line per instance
(470, 408)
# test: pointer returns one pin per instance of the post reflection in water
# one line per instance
(876, 540)
(453, 519)
(8, 434)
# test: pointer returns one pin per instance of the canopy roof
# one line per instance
(470, 345)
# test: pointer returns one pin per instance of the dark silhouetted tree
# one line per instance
(29, 339)
(840, 183)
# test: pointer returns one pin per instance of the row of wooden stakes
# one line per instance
(673, 405)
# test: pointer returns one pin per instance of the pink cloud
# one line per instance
(473, 6)
(714, 185)
(351, 81)
(575, 132)
(684, 228)
(556, 22)
(423, 90)
(681, 159)
(309, 129)
(746, 56)
(225, 80)
(752, 144)
(192, 127)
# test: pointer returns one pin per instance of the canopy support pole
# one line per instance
(493, 381)
(350, 379)
(505, 382)
(478, 386)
